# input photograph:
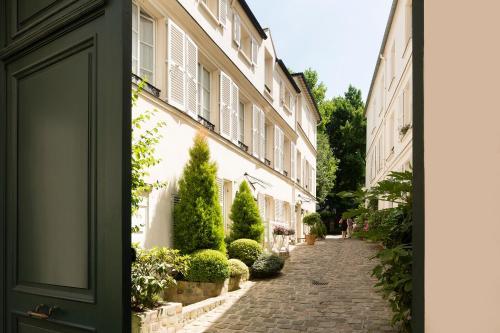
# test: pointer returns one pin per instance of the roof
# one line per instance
(382, 47)
(252, 18)
(288, 75)
(302, 77)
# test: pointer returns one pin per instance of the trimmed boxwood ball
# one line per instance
(208, 266)
(246, 250)
(267, 265)
(238, 268)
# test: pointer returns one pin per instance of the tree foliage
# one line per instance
(144, 140)
(326, 165)
(197, 216)
(344, 125)
(247, 222)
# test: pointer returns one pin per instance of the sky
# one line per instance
(340, 39)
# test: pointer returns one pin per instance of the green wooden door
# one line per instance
(64, 171)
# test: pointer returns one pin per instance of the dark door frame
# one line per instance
(418, 274)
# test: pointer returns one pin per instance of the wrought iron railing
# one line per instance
(206, 123)
(268, 163)
(285, 173)
(147, 86)
(298, 180)
(243, 146)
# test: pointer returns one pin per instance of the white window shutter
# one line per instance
(262, 133)
(236, 29)
(222, 12)
(255, 131)
(276, 210)
(234, 112)
(400, 109)
(292, 161)
(191, 77)
(225, 105)
(282, 92)
(255, 51)
(282, 150)
(313, 182)
(176, 66)
(276, 144)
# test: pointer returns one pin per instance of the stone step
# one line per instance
(195, 310)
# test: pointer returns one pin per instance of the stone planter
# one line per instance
(164, 319)
(310, 239)
(235, 283)
(186, 292)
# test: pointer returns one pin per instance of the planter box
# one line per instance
(186, 292)
(235, 282)
(310, 239)
(165, 319)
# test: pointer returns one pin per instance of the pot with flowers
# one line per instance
(281, 236)
(312, 220)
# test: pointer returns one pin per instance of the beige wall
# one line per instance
(462, 166)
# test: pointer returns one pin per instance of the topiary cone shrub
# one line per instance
(198, 217)
(247, 222)
(246, 250)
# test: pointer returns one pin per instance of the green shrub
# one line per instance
(319, 230)
(153, 271)
(198, 217)
(246, 250)
(208, 266)
(238, 268)
(312, 219)
(267, 265)
(247, 222)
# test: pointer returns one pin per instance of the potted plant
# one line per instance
(311, 220)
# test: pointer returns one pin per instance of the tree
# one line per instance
(247, 222)
(344, 124)
(143, 156)
(197, 216)
(326, 165)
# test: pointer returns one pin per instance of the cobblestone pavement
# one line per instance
(293, 303)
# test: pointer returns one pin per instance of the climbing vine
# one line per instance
(144, 140)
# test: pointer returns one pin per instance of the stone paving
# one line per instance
(324, 288)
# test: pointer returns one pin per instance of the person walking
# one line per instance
(343, 227)
(350, 224)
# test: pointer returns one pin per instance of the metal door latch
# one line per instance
(42, 311)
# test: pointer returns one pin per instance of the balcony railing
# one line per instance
(298, 180)
(243, 146)
(206, 123)
(147, 86)
(268, 163)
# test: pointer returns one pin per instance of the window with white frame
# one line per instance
(279, 148)
(392, 64)
(143, 44)
(203, 92)
(407, 104)
(258, 133)
(140, 219)
(390, 134)
(247, 44)
(217, 10)
(381, 93)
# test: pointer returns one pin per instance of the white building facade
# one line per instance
(389, 103)
(212, 68)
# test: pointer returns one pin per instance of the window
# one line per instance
(381, 94)
(392, 64)
(142, 44)
(268, 83)
(293, 166)
(217, 10)
(390, 134)
(141, 217)
(241, 118)
(203, 92)
(248, 46)
(407, 104)
(236, 29)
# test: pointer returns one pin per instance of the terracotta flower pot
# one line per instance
(310, 239)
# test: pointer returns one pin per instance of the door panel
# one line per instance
(65, 168)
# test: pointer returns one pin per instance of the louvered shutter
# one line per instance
(282, 92)
(176, 66)
(236, 29)
(292, 106)
(222, 12)
(234, 112)
(276, 210)
(293, 167)
(313, 182)
(255, 51)
(255, 131)
(262, 134)
(191, 77)
(276, 147)
(282, 150)
(225, 105)
(400, 109)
